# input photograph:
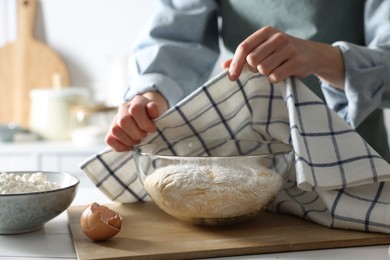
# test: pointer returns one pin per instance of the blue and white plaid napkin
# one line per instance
(340, 180)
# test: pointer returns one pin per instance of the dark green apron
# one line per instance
(325, 21)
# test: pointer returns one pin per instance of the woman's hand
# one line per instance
(134, 120)
(279, 56)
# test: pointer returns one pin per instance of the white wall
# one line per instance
(86, 33)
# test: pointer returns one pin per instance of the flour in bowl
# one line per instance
(192, 191)
(13, 183)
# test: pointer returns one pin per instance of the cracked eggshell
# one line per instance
(99, 222)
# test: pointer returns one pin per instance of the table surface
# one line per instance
(55, 242)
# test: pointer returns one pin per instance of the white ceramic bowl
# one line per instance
(26, 212)
(214, 182)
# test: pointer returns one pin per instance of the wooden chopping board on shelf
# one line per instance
(24, 65)
(149, 233)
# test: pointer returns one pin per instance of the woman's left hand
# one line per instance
(279, 56)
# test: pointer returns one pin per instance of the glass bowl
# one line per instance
(213, 182)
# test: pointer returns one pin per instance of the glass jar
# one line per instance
(91, 123)
(50, 111)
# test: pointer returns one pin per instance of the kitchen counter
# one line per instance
(54, 240)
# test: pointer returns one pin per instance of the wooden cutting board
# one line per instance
(24, 65)
(149, 233)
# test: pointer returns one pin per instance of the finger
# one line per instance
(117, 138)
(244, 48)
(124, 128)
(273, 61)
(142, 119)
(239, 60)
(152, 110)
(260, 53)
(127, 130)
(293, 66)
(116, 145)
(275, 50)
(226, 64)
(282, 72)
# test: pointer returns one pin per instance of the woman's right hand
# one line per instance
(134, 120)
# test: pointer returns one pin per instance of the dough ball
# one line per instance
(194, 191)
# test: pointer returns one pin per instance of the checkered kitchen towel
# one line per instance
(340, 181)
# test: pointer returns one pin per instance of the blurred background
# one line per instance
(93, 37)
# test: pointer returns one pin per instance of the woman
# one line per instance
(341, 50)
